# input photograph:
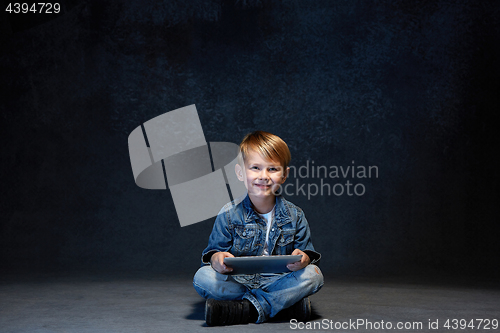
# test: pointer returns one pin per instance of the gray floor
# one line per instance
(157, 303)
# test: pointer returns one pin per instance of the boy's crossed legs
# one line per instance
(269, 293)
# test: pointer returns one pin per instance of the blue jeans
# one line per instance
(269, 293)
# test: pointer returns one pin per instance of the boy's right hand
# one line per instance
(217, 262)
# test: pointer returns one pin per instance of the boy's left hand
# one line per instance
(299, 264)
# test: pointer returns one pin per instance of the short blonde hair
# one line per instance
(268, 145)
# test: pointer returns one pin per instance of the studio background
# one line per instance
(408, 86)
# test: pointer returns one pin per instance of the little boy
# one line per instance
(263, 223)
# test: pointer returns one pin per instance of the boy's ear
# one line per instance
(239, 172)
(285, 174)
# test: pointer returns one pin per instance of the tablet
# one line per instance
(260, 264)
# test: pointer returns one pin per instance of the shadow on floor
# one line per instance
(197, 311)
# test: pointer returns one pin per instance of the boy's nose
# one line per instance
(264, 175)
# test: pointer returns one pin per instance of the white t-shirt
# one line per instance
(268, 217)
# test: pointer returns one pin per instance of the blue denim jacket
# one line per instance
(238, 229)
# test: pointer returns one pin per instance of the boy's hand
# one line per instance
(299, 264)
(217, 262)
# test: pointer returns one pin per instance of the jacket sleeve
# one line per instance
(303, 238)
(221, 239)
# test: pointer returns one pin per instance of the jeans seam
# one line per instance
(252, 299)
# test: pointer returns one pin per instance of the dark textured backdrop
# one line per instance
(409, 86)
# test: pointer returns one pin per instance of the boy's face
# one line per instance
(261, 177)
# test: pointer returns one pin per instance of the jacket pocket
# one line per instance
(285, 242)
(244, 238)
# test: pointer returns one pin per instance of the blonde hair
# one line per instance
(268, 145)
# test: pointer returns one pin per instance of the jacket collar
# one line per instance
(282, 216)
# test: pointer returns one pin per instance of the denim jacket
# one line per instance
(238, 229)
